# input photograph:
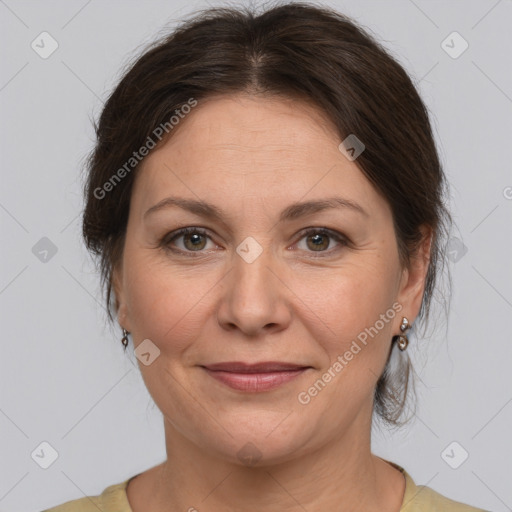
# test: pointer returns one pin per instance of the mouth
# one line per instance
(256, 377)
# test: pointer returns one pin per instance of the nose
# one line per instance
(255, 299)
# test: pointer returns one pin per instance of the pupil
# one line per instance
(194, 240)
(318, 240)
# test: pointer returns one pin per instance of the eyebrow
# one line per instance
(291, 212)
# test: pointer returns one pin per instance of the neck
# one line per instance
(343, 475)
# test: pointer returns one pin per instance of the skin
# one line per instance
(252, 157)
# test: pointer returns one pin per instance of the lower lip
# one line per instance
(254, 382)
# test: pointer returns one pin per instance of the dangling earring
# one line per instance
(124, 339)
(403, 341)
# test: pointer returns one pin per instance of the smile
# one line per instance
(254, 378)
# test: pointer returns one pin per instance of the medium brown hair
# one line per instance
(294, 50)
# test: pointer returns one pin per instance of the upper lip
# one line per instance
(263, 367)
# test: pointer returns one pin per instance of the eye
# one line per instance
(194, 239)
(319, 240)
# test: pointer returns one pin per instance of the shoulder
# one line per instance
(419, 498)
(427, 500)
(112, 499)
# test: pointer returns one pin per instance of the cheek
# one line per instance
(165, 303)
(172, 306)
(354, 319)
(347, 301)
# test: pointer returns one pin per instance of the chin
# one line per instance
(258, 441)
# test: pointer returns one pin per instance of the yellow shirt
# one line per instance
(417, 498)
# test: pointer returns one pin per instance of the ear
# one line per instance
(412, 285)
(119, 295)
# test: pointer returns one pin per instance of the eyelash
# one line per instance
(171, 237)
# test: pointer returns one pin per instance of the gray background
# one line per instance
(64, 378)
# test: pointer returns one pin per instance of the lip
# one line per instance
(263, 367)
(255, 377)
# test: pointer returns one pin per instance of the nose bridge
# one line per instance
(253, 299)
(251, 275)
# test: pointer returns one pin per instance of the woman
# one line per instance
(266, 200)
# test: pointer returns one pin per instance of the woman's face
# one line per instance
(298, 265)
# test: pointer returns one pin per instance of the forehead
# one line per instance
(248, 147)
(242, 117)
